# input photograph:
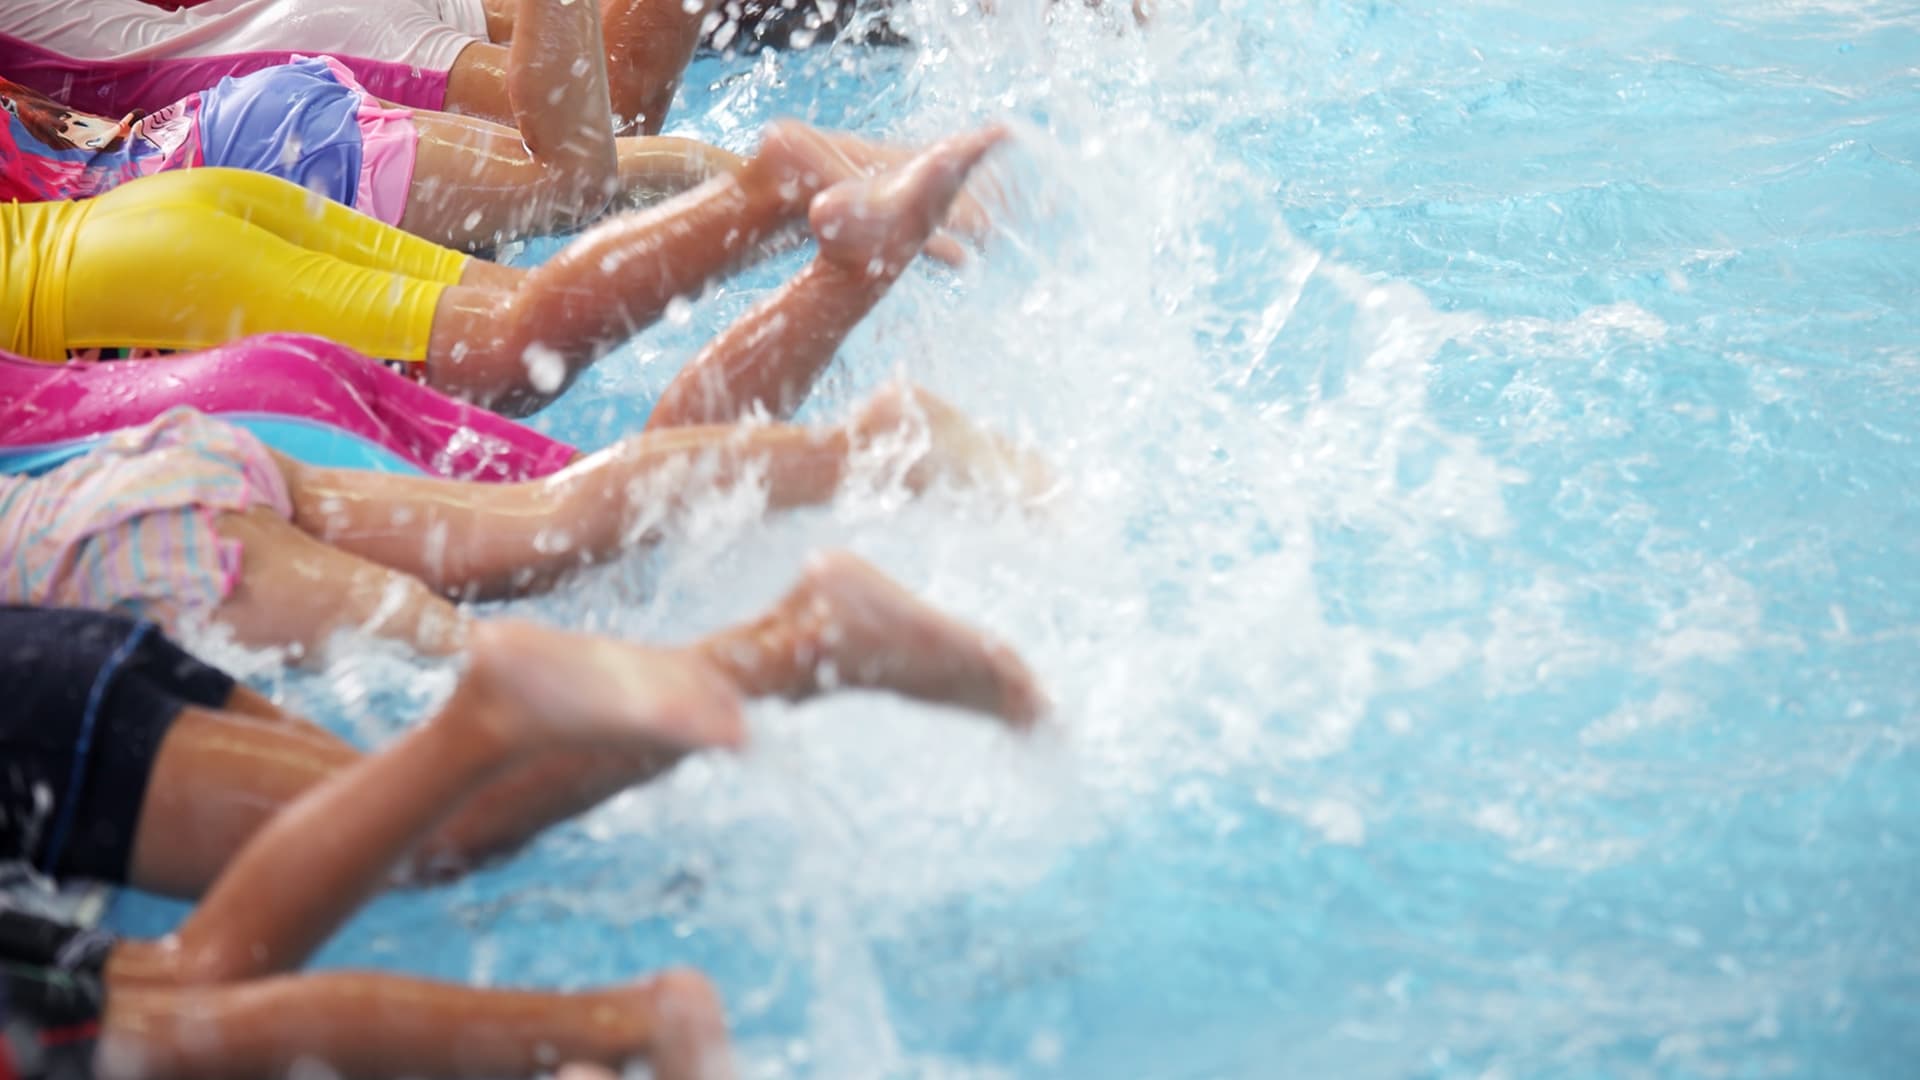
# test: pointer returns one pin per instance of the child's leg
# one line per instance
(557, 79)
(557, 82)
(376, 1026)
(247, 703)
(620, 275)
(317, 860)
(266, 256)
(476, 183)
(297, 592)
(970, 216)
(492, 540)
(477, 83)
(649, 44)
(844, 625)
(220, 777)
(379, 552)
(661, 165)
(843, 617)
(868, 231)
(487, 541)
(501, 16)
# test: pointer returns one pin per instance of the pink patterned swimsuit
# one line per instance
(131, 526)
(308, 121)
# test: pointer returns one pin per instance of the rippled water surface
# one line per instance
(1484, 622)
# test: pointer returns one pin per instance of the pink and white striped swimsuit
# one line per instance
(130, 526)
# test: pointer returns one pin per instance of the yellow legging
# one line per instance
(196, 258)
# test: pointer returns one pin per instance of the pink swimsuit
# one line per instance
(274, 375)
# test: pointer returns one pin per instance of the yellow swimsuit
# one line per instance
(190, 259)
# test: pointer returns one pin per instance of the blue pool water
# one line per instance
(1484, 623)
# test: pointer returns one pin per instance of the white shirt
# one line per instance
(423, 33)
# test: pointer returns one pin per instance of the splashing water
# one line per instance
(1482, 622)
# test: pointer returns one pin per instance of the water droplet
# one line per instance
(546, 368)
(1045, 1048)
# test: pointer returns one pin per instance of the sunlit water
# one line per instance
(1483, 623)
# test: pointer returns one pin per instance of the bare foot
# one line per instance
(675, 1021)
(874, 226)
(587, 689)
(958, 451)
(858, 628)
(801, 160)
(689, 1028)
(968, 215)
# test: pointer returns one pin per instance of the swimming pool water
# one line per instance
(1484, 623)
